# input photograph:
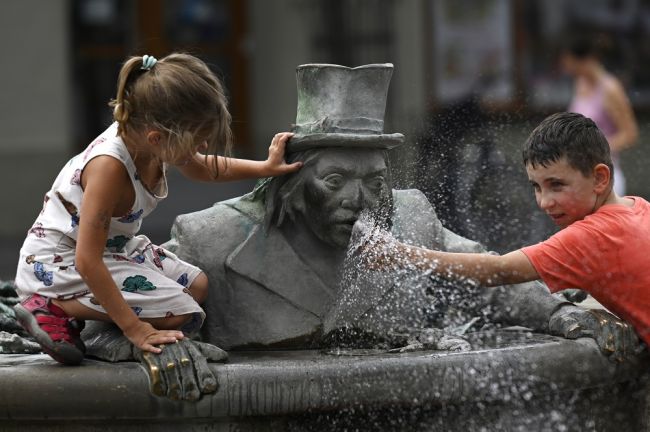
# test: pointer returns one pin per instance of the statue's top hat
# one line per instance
(340, 106)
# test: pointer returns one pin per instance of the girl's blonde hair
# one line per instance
(179, 96)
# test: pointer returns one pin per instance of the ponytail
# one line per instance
(121, 106)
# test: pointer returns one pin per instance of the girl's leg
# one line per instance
(199, 288)
(79, 311)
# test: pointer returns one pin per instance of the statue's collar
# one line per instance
(268, 259)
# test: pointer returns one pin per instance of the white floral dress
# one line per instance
(153, 280)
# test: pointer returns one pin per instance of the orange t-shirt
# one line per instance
(606, 254)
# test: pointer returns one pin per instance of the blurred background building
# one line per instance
(472, 77)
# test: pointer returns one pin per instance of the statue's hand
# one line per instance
(615, 338)
(187, 379)
(574, 295)
(180, 371)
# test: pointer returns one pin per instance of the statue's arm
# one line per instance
(533, 306)
(528, 304)
(181, 371)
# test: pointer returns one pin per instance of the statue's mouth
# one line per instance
(348, 222)
(346, 227)
(350, 218)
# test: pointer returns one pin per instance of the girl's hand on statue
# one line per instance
(275, 165)
(145, 337)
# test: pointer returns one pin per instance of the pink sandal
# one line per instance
(57, 333)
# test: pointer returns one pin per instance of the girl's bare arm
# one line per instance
(200, 167)
(105, 182)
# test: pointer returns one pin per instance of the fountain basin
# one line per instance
(509, 381)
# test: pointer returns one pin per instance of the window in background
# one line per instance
(105, 32)
(473, 50)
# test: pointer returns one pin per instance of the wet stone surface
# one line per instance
(510, 381)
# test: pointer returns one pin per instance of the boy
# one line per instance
(604, 239)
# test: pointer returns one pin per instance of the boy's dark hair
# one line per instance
(569, 135)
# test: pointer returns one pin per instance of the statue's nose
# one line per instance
(354, 196)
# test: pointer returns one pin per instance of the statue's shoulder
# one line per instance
(222, 226)
(221, 216)
(412, 201)
(414, 219)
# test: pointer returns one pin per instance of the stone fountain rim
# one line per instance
(281, 383)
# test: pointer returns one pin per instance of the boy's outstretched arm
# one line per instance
(382, 251)
(486, 269)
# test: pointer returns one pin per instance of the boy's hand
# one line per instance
(275, 165)
(145, 337)
(376, 249)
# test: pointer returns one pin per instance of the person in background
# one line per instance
(599, 95)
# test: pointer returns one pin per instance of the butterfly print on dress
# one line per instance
(71, 209)
(131, 216)
(44, 276)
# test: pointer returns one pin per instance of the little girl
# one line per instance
(82, 258)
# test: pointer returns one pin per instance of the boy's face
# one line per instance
(563, 192)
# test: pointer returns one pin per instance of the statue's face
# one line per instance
(340, 184)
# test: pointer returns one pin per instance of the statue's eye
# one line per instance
(333, 181)
(376, 183)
